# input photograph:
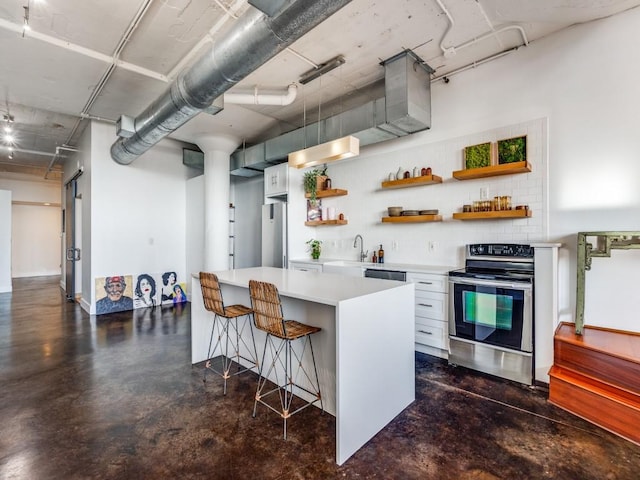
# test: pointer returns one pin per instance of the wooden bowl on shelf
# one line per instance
(394, 211)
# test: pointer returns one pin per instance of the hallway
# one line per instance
(115, 396)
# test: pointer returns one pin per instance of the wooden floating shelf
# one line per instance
(412, 182)
(492, 171)
(492, 215)
(412, 219)
(331, 192)
(317, 223)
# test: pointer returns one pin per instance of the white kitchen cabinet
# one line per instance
(432, 299)
(306, 266)
(276, 180)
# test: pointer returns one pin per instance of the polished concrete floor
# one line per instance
(115, 397)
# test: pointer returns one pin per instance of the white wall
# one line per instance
(36, 240)
(5, 241)
(36, 228)
(593, 168)
(138, 211)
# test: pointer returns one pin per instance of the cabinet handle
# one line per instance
(425, 305)
(427, 283)
(303, 269)
(428, 333)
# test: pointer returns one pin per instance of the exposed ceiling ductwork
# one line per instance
(404, 109)
(254, 39)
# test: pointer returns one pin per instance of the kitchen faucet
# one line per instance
(363, 254)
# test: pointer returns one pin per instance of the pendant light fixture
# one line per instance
(334, 150)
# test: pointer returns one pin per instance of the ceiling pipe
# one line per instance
(23, 150)
(254, 39)
(451, 51)
(87, 52)
(446, 51)
(55, 156)
(229, 13)
(257, 98)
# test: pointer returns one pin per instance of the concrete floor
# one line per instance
(116, 397)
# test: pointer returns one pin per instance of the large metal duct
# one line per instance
(254, 39)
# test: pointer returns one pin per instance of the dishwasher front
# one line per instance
(386, 274)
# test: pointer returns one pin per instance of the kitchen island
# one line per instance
(364, 353)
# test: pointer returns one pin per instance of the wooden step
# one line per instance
(610, 356)
(613, 409)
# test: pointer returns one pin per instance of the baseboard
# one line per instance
(86, 306)
(6, 288)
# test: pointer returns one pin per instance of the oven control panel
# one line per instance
(499, 250)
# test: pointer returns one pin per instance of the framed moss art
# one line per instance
(477, 156)
(512, 150)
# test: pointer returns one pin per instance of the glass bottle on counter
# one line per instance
(381, 255)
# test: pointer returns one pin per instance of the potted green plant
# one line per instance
(314, 245)
(311, 183)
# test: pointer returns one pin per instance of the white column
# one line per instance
(217, 150)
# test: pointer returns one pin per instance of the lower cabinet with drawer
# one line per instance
(431, 313)
(306, 267)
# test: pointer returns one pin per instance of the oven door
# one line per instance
(492, 312)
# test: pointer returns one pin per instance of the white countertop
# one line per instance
(324, 288)
(404, 267)
(546, 245)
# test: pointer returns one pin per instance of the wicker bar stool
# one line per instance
(267, 315)
(229, 330)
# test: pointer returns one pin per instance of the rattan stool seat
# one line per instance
(234, 311)
(227, 320)
(267, 315)
(294, 329)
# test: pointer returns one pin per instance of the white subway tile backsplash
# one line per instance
(367, 202)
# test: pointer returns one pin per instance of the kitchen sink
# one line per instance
(349, 263)
(345, 267)
(348, 267)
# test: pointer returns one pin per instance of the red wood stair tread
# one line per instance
(618, 343)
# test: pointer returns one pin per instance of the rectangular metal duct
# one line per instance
(407, 88)
(361, 122)
(249, 161)
(277, 149)
(405, 109)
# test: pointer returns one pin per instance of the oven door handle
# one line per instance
(491, 283)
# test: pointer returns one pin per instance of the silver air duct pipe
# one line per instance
(253, 40)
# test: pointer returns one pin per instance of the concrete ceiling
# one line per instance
(86, 59)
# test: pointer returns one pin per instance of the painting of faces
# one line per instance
(126, 292)
(114, 293)
(145, 292)
(172, 291)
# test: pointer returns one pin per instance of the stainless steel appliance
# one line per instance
(491, 311)
(274, 235)
(385, 274)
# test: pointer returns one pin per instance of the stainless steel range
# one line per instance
(491, 311)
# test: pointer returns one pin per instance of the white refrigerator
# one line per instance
(274, 235)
